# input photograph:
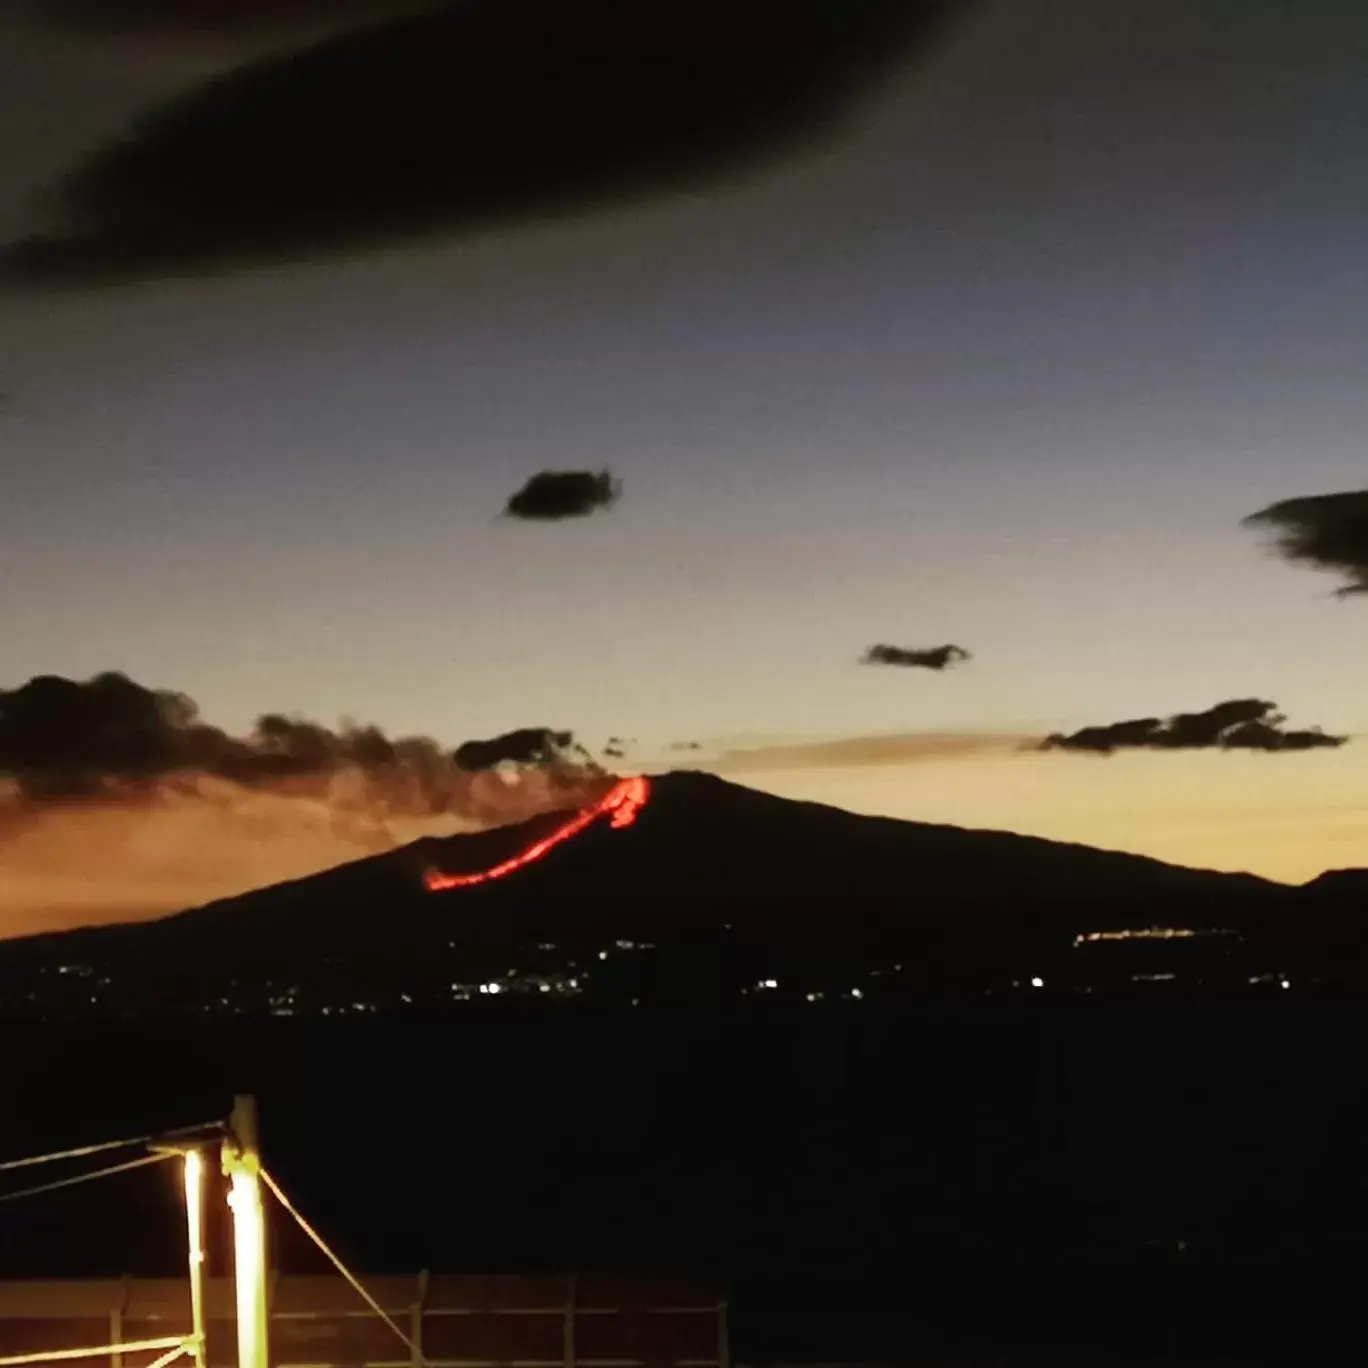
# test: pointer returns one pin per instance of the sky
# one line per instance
(1004, 362)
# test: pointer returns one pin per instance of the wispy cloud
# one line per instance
(891, 748)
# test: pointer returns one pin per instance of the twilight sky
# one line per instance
(1003, 365)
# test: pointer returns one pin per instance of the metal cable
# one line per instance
(139, 1162)
(342, 1268)
(84, 1150)
(171, 1343)
(170, 1356)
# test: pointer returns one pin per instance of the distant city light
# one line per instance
(1037, 983)
(1151, 933)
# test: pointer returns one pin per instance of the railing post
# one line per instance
(242, 1164)
(568, 1333)
(194, 1224)
(416, 1320)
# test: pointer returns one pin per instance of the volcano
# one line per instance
(734, 880)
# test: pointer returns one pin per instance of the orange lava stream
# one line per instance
(620, 805)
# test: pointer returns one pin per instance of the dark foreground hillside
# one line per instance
(1085, 1172)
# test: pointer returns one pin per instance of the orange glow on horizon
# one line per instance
(620, 805)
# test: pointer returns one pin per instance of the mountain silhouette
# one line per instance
(702, 862)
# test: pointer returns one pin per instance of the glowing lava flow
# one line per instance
(620, 805)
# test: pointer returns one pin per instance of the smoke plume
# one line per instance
(542, 746)
(1238, 724)
(117, 800)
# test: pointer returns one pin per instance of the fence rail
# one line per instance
(457, 1321)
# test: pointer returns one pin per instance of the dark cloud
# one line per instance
(685, 745)
(1239, 724)
(1324, 531)
(915, 657)
(526, 746)
(480, 113)
(198, 17)
(553, 495)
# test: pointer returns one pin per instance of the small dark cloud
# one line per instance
(915, 657)
(685, 746)
(1323, 531)
(475, 115)
(541, 746)
(553, 495)
(1238, 724)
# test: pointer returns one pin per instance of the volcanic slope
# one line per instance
(699, 854)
